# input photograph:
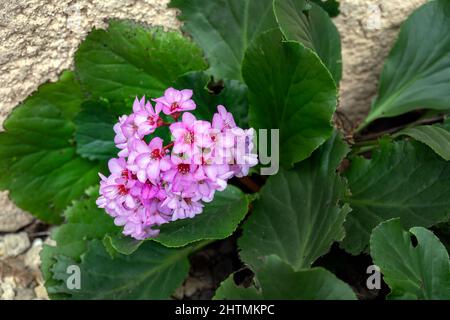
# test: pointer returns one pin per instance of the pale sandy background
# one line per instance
(39, 37)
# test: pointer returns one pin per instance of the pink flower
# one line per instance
(150, 160)
(175, 101)
(147, 187)
(116, 190)
(244, 159)
(180, 175)
(190, 134)
(147, 119)
(138, 105)
(120, 139)
(183, 205)
(223, 119)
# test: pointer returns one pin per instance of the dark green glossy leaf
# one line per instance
(434, 136)
(148, 271)
(277, 280)
(94, 131)
(412, 271)
(84, 222)
(290, 90)
(224, 29)
(38, 160)
(152, 272)
(330, 6)
(416, 74)
(309, 24)
(403, 179)
(219, 219)
(298, 215)
(129, 60)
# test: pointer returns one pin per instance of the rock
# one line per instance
(179, 293)
(11, 245)
(24, 294)
(192, 285)
(41, 292)
(11, 217)
(32, 259)
(7, 287)
(368, 31)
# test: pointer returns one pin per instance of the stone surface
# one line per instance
(20, 276)
(368, 30)
(32, 259)
(38, 39)
(7, 288)
(40, 292)
(11, 217)
(11, 245)
(24, 294)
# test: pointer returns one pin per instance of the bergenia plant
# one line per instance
(151, 184)
(235, 162)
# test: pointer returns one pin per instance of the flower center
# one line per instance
(174, 106)
(189, 137)
(184, 168)
(152, 120)
(122, 190)
(155, 154)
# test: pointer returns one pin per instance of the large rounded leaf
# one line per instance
(84, 222)
(224, 29)
(290, 90)
(298, 216)
(309, 24)
(218, 220)
(277, 280)
(417, 72)
(94, 131)
(38, 160)
(129, 60)
(412, 271)
(403, 179)
(152, 272)
(434, 136)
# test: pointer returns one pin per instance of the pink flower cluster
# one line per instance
(151, 183)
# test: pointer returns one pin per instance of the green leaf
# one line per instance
(403, 179)
(277, 280)
(224, 29)
(330, 6)
(298, 215)
(290, 90)
(148, 271)
(130, 60)
(416, 74)
(94, 131)
(38, 161)
(233, 96)
(310, 25)
(123, 244)
(152, 272)
(412, 271)
(84, 222)
(434, 136)
(219, 219)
